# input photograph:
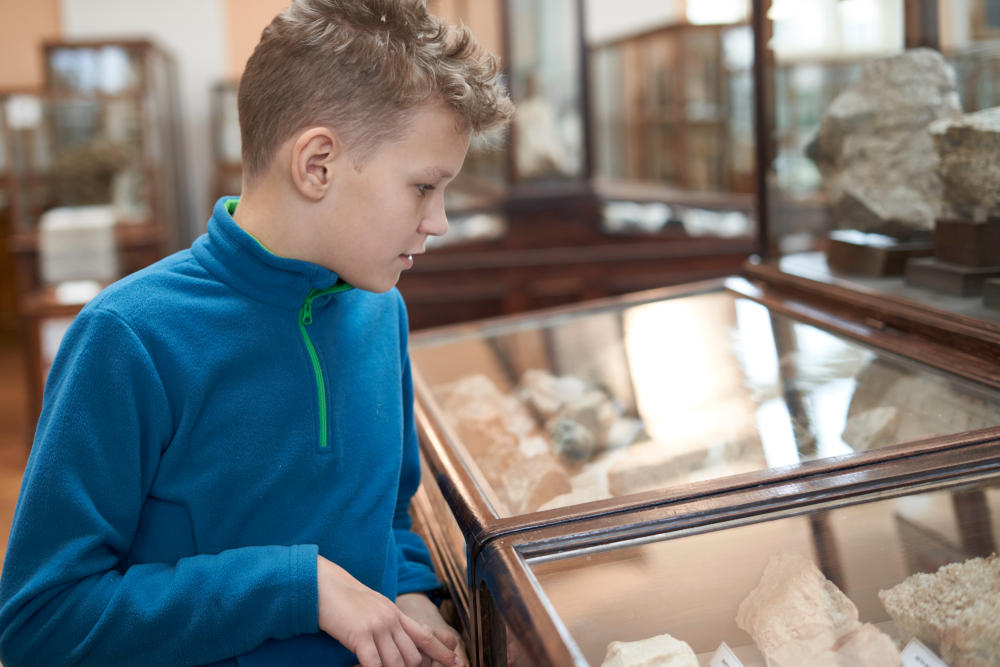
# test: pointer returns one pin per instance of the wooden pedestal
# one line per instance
(967, 243)
(849, 251)
(947, 277)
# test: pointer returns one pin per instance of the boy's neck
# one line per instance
(269, 215)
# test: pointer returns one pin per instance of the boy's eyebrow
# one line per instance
(434, 173)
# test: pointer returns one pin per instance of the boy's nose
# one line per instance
(435, 222)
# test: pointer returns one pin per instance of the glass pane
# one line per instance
(804, 586)
(546, 86)
(818, 47)
(573, 409)
(672, 114)
(110, 70)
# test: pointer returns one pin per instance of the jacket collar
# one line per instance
(239, 260)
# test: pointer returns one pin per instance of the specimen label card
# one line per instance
(917, 655)
(724, 657)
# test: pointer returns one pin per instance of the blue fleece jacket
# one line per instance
(210, 424)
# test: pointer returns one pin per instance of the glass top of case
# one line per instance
(572, 408)
(848, 585)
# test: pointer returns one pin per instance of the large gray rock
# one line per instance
(968, 150)
(874, 150)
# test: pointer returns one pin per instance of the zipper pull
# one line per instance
(306, 314)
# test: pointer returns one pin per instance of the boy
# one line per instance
(224, 463)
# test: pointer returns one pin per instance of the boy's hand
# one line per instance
(419, 607)
(371, 626)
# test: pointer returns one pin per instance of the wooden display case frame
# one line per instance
(510, 603)
(965, 347)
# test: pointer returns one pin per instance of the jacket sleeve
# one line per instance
(416, 573)
(67, 595)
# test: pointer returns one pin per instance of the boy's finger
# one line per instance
(427, 642)
(449, 639)
(388, 651)
(367, 654)
(407, 649)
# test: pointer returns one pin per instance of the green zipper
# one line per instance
(305, 319)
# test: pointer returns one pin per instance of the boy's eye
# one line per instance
(424, 188)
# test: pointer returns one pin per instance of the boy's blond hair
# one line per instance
(360, 67)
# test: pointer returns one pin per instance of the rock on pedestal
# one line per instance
(874, 150)
(968, 151)
(967, 232)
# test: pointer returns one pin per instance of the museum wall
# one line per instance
(244, 21)
(23, 27)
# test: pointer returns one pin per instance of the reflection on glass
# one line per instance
(576, 409)
(546, 86)
(827, 587)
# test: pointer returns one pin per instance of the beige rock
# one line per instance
(502, 439)
(956, 609)
(927, 405)
(659, 651)
(968, 149)
(654, 465)
(797, 617)
(872, 428)
(874, 149)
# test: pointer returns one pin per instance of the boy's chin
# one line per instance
(376, 286)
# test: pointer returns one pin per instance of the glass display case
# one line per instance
(854, 568)
(871, 118)
(604, 408)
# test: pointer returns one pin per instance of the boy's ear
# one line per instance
(313, 154)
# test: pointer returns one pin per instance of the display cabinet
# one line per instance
(122, 95)
(100, 140)
(841, 568)
(671, 105)
(605, 408)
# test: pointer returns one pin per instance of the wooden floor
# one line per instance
(13, 434)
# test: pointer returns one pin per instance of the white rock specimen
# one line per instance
(503, 440)
(874, 149)
(659, 651)
(798, 617)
